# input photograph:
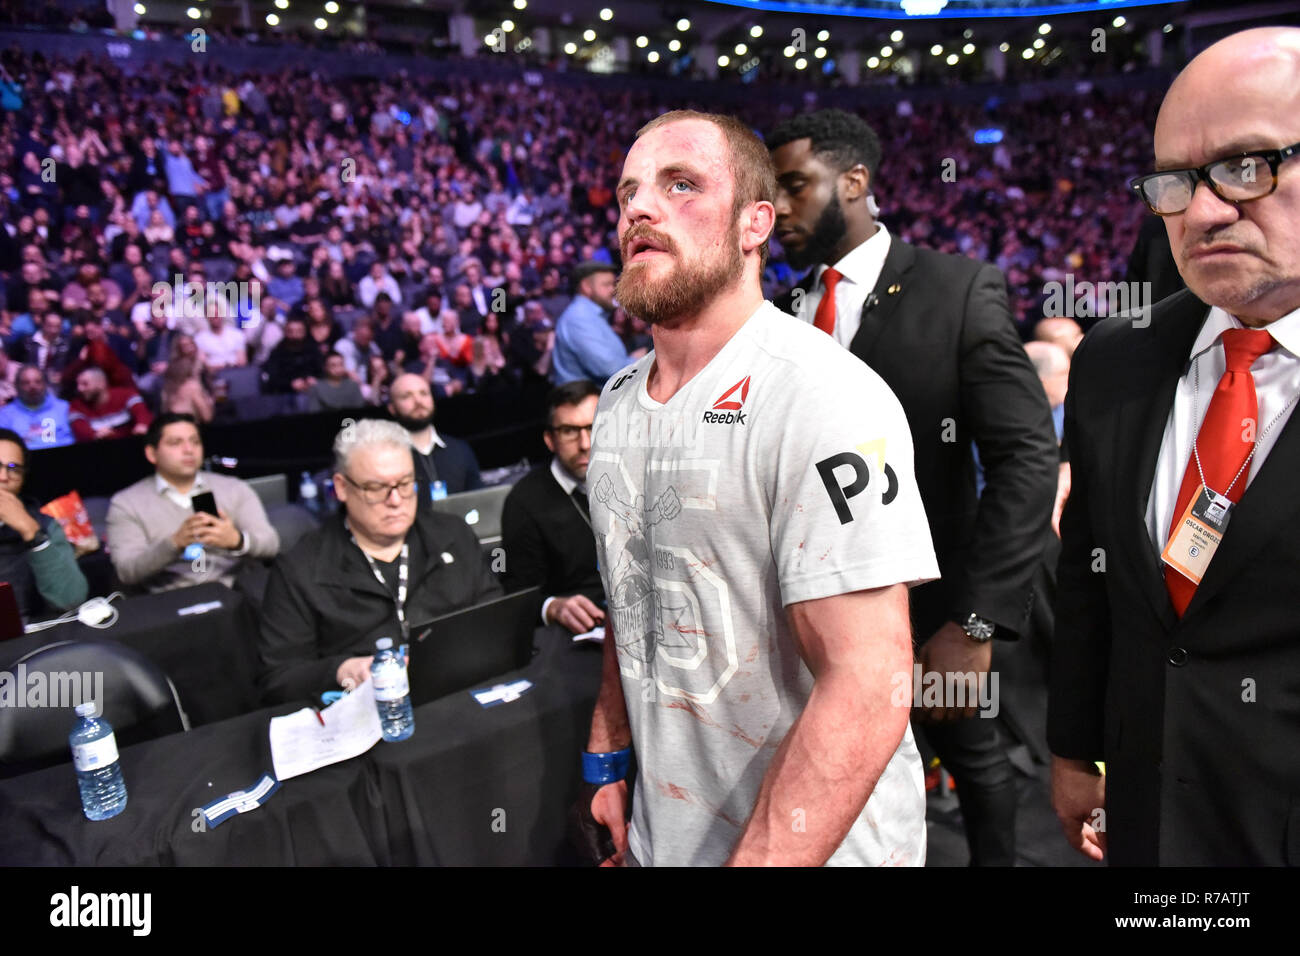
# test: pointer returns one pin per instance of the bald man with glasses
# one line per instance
(1176, 659)
(373, 570)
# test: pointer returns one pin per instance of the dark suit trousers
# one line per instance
(974, 751)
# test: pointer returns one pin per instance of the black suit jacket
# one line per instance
(938, 331)
(1198, 719)
(454, 465)
(547, 543)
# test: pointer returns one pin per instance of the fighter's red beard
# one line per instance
(686, 288)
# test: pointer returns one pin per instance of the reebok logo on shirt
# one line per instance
(726, 410)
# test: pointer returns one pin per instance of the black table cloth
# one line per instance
(474, 786)
(211, 657)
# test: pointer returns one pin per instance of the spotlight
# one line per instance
(1118, 22)
(800, 63)
(507, 25)
(1039, 43)
(823, 35)
(320, 23)
(272, 20)
(606, 13)
(820, 53)
(589, 35)
(139, 9)
(683, 24)
(968, 49)
(952, 59)
(570, 48)
(674, 44)
(886, 51)
(521, 4)
(193, 13)
(741, 49)
(653, 56)
(936, 49)
(873, 62)
(755, 31)
(1044, 28)
(724, 60)
(642, 42)
(331, 7)
(897, 36)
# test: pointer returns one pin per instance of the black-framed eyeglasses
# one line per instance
(1236, 179)
(12, 468)
(570, 432)
(377, 492)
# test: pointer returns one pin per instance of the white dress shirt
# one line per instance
(1277, 381)
(861, 271)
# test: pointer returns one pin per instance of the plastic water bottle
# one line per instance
(392, 691)
(438, 490)
(99, 774)
(307, 493)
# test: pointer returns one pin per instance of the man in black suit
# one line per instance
(438, 458)
(937, 329)
(545, 523)
(1176, 658)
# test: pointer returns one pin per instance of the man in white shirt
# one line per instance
(378, 280)
(1175, 658)
(757, 526)
(221, 344)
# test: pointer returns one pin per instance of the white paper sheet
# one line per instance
(596, 634)
(299, 744)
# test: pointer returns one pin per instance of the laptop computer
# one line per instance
(480, 509)
(472, 646)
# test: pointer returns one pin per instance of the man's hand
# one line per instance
(1062, 495)
(139, 429)
(188, 533)
(609, 808)
(1079, 799)
(578, 613)
(353, 672)
(950, 651)
(15, 515)
(218, 532)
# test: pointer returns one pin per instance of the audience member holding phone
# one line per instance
(182, 526)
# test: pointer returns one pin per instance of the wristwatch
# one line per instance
(39, 539)
(978, 629)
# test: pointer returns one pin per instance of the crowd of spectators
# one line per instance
(179, 231)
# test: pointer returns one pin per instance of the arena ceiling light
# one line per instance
(139, 9)
(1004, 46)
(643, 42)
(282, 4)
(789, 52)
(873, 62)
(589, 36)
(936, 49)
(968, 49)
(606, 13)
(1039, 43)
(683, 25)
(1118, 22)
(508, 26)
(897, 36)
(820, 53)
(823, 36)
(273, 19)
(331, 7)
(723, 60)
(800, 63)
(193, 13)
(952, 59)
(886, 52)
(320, 23)
(570, 48)
(740, 49)
(1027, 53)
(755, 31)
(521, 4)
(653, 56)
(1044, 29)
(674, 44)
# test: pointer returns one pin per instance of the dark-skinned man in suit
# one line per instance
(937, 329)
(1176, 657)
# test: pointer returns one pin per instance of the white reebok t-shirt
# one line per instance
(781, 473)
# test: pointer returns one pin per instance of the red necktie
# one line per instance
(1225, 440)
(825, 317)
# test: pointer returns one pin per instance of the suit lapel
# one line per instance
(1163, 356)
(884, 298)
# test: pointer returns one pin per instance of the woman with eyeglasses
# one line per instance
(35, 556)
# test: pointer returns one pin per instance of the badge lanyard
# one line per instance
(1221, 498)
(403, 570)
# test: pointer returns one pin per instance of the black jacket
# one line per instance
(941, 336)
(546, 540)
(1198, 718)
(455, 466)
(324, 605)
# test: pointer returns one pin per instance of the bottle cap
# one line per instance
(86, 710)
(384, 643)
